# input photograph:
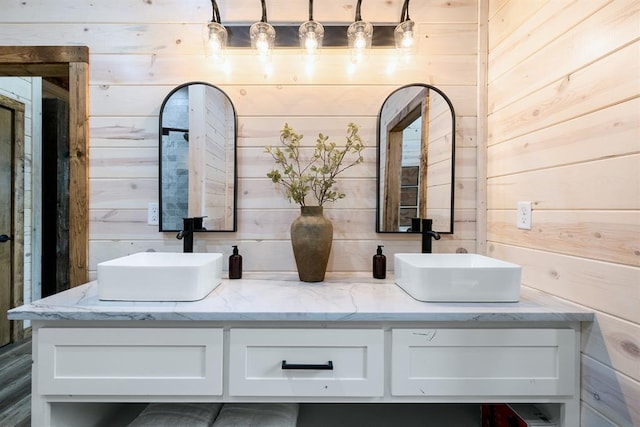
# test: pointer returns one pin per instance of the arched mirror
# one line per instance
(198, 158)
(416, 158)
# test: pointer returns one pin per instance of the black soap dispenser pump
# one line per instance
(235, 264)
(379, 264)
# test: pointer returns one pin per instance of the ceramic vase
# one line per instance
(311, 238)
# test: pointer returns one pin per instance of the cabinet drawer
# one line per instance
(483, 362)
(306, 362)
(129, 361)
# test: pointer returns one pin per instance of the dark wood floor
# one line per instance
(15, 384)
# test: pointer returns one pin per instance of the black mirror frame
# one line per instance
(453, 155)
(235, 158)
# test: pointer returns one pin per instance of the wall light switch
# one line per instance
(153, 213)
(524, 215)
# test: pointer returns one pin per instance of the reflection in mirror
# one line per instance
(416, 152)
(198, 158)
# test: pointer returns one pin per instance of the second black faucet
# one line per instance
(425, 227)
(189, 225)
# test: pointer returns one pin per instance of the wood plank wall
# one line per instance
(139, 51)
(564, 133)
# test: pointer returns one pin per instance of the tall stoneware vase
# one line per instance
(311, 238)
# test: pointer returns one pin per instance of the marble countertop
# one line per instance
(282, 297)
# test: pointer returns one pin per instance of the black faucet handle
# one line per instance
(188, 224)
(197, 222)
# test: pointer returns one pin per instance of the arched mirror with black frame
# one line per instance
(198, 170)
(416, 159)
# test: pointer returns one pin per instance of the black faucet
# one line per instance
(426, 229)
(189, 225)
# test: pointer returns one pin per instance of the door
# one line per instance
(11, 219)
(6, 209)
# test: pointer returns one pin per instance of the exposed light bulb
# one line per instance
(360, 41)
(311, 34)
(263, 37)
(310, 42)
(407, 39)
(404, 37)
(217, 41)
(215, 44)
(262, 44)
(359, 36)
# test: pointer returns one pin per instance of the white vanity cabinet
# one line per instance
(83, 364)
(137, 361)
(483, 362)
(306, 362)
(340, 342)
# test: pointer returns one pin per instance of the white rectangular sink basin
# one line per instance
(159, 276)
(457, 277)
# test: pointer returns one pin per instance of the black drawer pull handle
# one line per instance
(327, 367)
(4, 238)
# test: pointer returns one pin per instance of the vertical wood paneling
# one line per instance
(564, 133)
(78, 172)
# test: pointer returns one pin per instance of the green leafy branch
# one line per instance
(316, 175)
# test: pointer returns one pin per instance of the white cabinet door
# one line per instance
(306, 362)
(483, 362)
(129, 361)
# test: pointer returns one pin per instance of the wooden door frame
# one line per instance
(393, 168)
(71, 62)
(17, 224)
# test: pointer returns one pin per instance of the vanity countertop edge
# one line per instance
(343, 297)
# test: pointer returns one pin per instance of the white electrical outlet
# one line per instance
(153, 213)
(524, 215)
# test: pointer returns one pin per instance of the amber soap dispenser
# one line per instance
(235, 264)
(379, 264)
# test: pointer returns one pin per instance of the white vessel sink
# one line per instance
(457, 278)
(159, 276)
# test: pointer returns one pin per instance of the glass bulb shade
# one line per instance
(263, 37)
(217, 41)
(404, 36)
(311, 34)
(359, 35)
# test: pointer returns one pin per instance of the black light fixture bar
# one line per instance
(287, 36)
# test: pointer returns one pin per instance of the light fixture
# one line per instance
(311, 34)
(359, 36)
(217, 39)
(403, 34)
(262, 35)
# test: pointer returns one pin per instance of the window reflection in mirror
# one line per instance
(198, 158)
(416, 150)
